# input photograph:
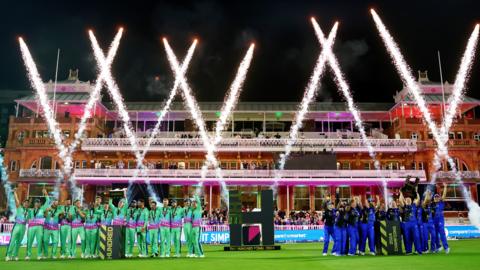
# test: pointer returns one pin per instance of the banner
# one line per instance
(294, 236)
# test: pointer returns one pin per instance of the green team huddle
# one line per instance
(57, 228)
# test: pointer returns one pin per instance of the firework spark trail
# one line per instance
(233, 94)
(114, 92)
(457, 93)
(196, 115)
(8, 190)
(309, 95)
(407, 78)
(156, 129)
(53, 127)
(173, 93)
(93, 98)
(345, 90)
(230, 103)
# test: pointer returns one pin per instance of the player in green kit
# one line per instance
(36, 219)
(142, 223)
(153, 226)
(18, 229)
(120, 212)
(98, 210)
(196, 229)
(65, 229)
(187, 226)
(51, 229)
(131, 221)
(77, 215)
(165, 217)
(91, 232)
(177, 214)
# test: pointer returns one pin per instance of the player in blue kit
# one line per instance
(438, 206)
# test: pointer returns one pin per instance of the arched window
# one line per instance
(46, 163)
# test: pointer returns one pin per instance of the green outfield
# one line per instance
(465, 254)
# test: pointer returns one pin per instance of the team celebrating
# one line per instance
(49, 222)
(351, 224)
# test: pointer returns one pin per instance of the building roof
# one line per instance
(257, 106)
(70, 97)
(438, 98)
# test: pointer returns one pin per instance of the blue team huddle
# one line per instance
(351, 224)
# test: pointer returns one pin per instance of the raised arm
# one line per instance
(111, 206)
(47, 200)
(444, 195)
(401, 199)
(417, 199)
(15, 195)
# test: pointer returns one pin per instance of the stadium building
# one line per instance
(328, 154)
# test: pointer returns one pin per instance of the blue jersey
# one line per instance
(410, 213)
(419, 216)
(427, 214)
(393, 214)
(438, 211)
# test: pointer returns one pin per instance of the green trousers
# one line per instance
(65, 240)
(165, 241)
(47, 236)
(76, 232)
(16, 240)
(35, 233)
(129, 240)
(91, 237)
(187, 231)
(197, 246)
(176, 234)
(153, 236)
(142, 242)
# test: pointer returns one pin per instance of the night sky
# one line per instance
(285, 53)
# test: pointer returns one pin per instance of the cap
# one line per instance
(173, 201)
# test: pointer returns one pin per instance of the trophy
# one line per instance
(409, 187)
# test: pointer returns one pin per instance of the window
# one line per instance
(233, 165)
(476, 137)
(460, 135)
(430, 136)
(66, 133)
(345, 192)
(35, 190)
(77, 164)
(34, 165)
(454, 191)
(301, 198)
(345, 165)
(451, 135)
(84, 164)
(366, 166)
(46, 163)
(131, 164)
(13, 165)
(413, 166)
(320, 193)
(414, 136)
(420, 166)
(392, 165)
(192, 165)
(176, 192)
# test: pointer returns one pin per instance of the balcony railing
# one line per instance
(464, 175)
(299, 177)
(38, 173)
(250, 145)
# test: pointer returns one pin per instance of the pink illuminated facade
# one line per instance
(252, 143)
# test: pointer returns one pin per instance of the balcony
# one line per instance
(39, 173)
(463, 175)
(252, 145)
(248, 177)
(452, 143)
